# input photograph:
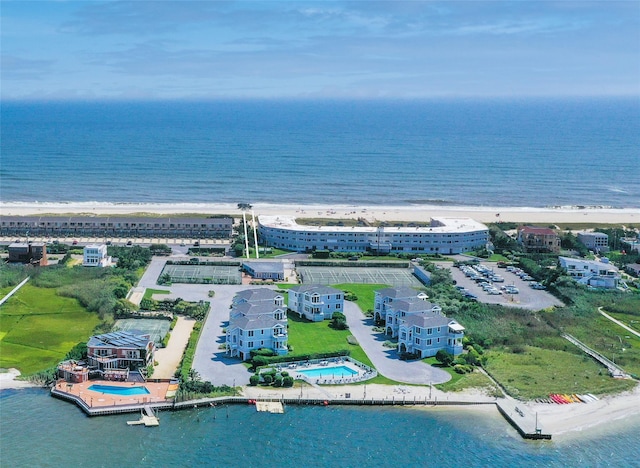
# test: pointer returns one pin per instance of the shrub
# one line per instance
(262, 352)
(254, 380)
(444, 358)
(268, 379)
(277, 381)
(287, 381)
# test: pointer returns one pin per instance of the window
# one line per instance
(428, 342)
(338, 306)
(250, 344)
(250, 332)
(417, 341)
(429, 331)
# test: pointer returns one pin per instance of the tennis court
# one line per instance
(395, 277)
(154, 327)
(203, 274)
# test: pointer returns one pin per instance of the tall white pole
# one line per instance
(255, 234)
(246, 237)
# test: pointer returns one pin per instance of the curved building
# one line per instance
(442, 236)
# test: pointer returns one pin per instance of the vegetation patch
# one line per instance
(537, 372)
(39, 327)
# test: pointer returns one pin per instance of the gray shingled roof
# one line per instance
(258, 294)
(265, 267)
(256, 308)
(413, 305)
(397, 292)
(311, 288)
(253, 322)
(427, 320)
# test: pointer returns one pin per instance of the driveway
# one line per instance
(386, 360)
(210, 361)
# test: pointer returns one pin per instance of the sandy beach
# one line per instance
(422, 213)
(562, 421)
(8, 380)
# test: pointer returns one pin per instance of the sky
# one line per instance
(69, 50)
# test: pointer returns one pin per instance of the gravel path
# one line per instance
(169, 358)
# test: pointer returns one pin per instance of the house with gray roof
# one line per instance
(120, 351)
(316, 303)
(259, 295)
(257, 319)
(384, 298)
(264, 270)
(427, 333)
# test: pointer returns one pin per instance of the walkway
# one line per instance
(614, 370)
(169, 358)
(14, 290)
(618, 322)
(386, 360)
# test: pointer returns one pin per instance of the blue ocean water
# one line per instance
(457, 152)
(56, 433)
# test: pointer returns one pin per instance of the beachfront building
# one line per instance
(256, 323)
(384, 299)
(595, 273)
(596, 241)
(425, 334)
(538, 239)
(633, 269)
(442, 236)
(34, 253)
(258, 295)
(103, 226)
(264, 270)
(316, 303)
(95, 255)
(419, 325)
(115, 354)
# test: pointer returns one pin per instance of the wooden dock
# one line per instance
(513, 411)
(521, 419)
(274, 407)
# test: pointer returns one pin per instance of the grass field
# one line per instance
(461, 382)
(538, 372)
(150, 292)
(38, 328)
(308, 337)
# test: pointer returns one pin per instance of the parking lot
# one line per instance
(526, 297)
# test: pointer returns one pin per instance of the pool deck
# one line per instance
(95, 403)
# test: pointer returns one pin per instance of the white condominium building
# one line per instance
(442, 236)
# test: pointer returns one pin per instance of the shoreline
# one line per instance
(564, 422)
(417, 213)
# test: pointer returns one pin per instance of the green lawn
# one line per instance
(365, 293)
(610, 340)
(38, 328)
(461, 382)
(538, 372)
(150, 292)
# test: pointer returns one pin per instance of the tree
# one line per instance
(444, 358)
(194, 375)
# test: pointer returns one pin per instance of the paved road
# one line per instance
(210, 361)
(386, 360)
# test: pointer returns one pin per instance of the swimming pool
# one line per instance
(126, 391)
(329, 372)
